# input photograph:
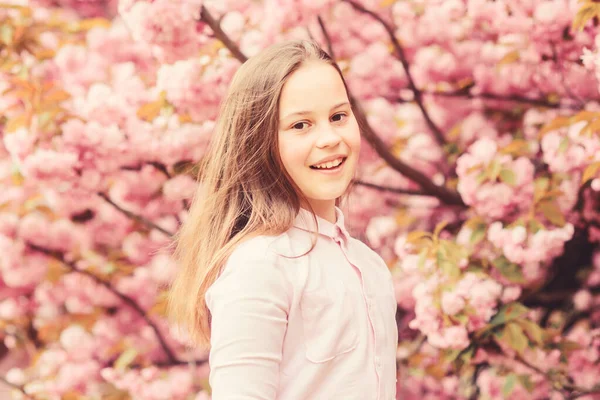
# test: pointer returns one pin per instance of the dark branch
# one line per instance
(124, 298)
(429, 188)
(390, 189)
(478, 368)
(563, 80)
(497, 97)
(161, 167)
(439, 136)
(576, 391)
(327, 37)
(135, 217)
(209, 20)
(171, 364)
(580, 392)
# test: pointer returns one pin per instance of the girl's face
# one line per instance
(319, 138)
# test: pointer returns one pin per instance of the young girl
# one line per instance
(291, 305)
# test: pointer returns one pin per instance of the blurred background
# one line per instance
(479, 184)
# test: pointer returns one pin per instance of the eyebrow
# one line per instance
(308, 112)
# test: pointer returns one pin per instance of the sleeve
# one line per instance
(249, 305)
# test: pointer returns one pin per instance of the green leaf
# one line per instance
(508, 176)
(509, 270)
(507, 313)
(541, 185)
(493, 170)
(478, 233)
(45, 118)
(556, 123)
(439, 228)
(6, 34)
(533, 330)
(510, 57)
(450, 355)
(481, 177)
(448, 267)
(509, 385)
(590, 172)
(568, 345)
(515, 338)
(564, 145)
(126, 358)
(552, 212)
(422, 258)
(585, 13)
(517, 147)
(468, 353)
(416, 236)
(534, 226)
(525, 381)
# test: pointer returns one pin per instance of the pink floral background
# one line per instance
(479, 184)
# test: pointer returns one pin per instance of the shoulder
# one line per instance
(364, 248)
(277, 250)
(255, 249)
(369, 254)
(253, 267)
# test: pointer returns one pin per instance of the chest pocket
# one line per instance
(329, 326)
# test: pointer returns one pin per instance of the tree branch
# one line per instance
(124, 298)
(209, 20)
(135, 217)
(493, 96)
(171, 364)
(584, 392)
(429, 188)
(563, 80)
(437, 133)
(446, 195)
(389, 189)
(327, 37)
(563, 385)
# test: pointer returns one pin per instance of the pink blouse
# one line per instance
(318, 326)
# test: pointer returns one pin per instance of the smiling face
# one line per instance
(319, 138)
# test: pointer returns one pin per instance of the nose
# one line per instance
(328, 137)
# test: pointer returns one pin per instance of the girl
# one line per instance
(291, 305)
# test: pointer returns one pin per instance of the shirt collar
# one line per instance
(305, 221)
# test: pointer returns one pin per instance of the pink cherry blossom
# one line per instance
(503, 117)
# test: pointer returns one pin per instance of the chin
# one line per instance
(330, 196)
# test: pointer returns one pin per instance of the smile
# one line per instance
(330, 165)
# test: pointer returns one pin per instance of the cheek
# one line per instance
(290, 156)
(354, 139)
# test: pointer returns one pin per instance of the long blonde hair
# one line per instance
(244, 189)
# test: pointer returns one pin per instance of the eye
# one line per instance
(300, 125)
(338, 117)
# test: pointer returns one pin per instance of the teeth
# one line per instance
(330, 164)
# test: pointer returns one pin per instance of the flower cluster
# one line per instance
(495, 185)
(170, 27)
(447, 313)
(486, 103)
(530, 250)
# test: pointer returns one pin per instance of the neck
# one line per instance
(324, 209)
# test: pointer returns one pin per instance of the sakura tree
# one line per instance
(479, 184)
